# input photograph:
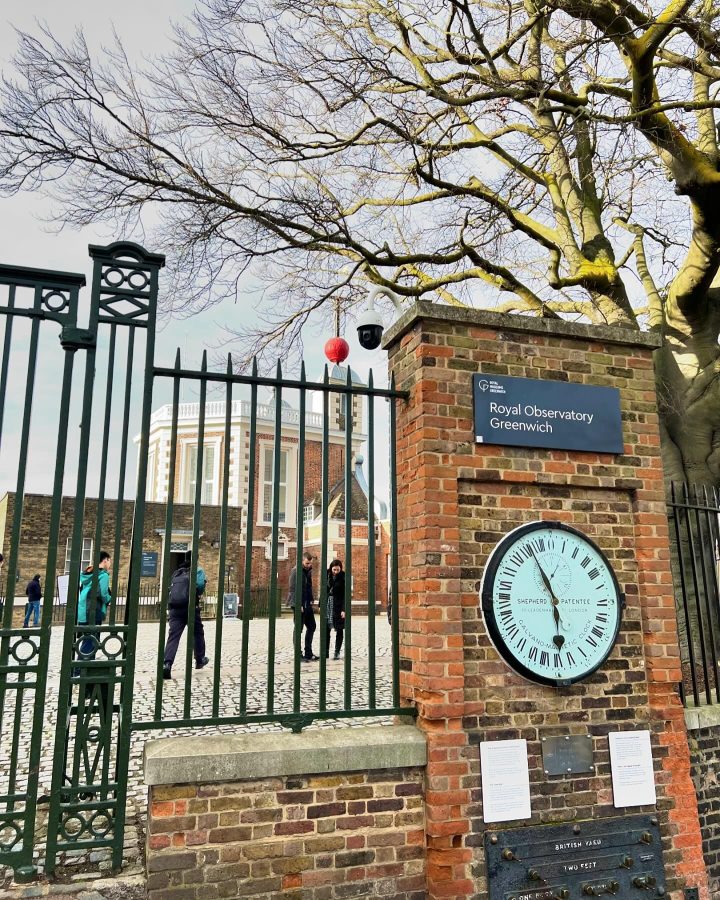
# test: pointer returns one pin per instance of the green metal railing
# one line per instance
(95, 695)
(83, 807)
(301, 695)
(39, 297)
(256, 673)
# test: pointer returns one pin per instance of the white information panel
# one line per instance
(505, 780)
(631, 765)
(63, 583)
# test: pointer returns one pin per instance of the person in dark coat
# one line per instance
(34, 595)
(307, 598)
(178, 613)
(335, 617)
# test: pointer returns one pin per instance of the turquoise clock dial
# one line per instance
(551, 603)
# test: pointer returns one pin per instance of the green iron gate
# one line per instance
(85, 806)
(82, 805)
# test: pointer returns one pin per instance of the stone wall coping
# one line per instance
(697, 717)
(237, 757)
(439, 312)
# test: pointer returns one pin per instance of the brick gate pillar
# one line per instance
(456, 500)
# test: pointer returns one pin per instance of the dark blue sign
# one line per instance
(148, 564)
(529, 412)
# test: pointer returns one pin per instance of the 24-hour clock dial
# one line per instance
(551, 603)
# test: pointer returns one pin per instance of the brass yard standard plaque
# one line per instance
(617, 856)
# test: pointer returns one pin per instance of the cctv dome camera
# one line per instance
(370, 329)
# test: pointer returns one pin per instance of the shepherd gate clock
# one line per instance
(551, 603)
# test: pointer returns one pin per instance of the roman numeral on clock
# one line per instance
(532, 655)
(544, 658)
(558, 662)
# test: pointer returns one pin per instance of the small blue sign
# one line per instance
(148, 564)
(530, 412)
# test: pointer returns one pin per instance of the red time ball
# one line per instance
(337, 350)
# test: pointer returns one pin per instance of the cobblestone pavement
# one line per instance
(76, 863)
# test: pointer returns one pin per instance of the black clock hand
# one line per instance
(546, 582)
(558, 639)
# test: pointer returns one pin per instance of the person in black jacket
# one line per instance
(307, 598)
(34, 595)
(335, 606)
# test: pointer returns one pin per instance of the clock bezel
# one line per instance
(486, 601)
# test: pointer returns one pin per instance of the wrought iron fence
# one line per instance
(333, 427)
(254, 677)
(694, 512)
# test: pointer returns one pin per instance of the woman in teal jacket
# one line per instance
(102, 601)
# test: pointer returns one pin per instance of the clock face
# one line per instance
(551, 603)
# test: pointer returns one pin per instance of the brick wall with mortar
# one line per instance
(339, 835)
(705, 756)
(462, 498)
(326, 834)
(34, 536)
(704, 732)
(34, 533)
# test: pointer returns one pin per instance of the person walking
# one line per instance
(335, 612)
(87, 616)
(178, 608)
(34, 595)
(307, 620)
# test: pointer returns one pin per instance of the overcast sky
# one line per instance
(25, 239)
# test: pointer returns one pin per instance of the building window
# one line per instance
(87, 554)
(267, 493)
(209, 479)
(309, 512)
(282, 546)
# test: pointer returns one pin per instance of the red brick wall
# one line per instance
(456, 500)
(313, 837)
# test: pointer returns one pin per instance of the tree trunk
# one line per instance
(686, 370)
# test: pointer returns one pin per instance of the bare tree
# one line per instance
(549, 157)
